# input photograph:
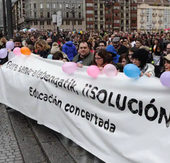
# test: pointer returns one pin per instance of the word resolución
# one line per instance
(135, 106)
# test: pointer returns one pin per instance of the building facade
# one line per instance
(153, 15)
(111, 15)
(1, 16)
(38, 14)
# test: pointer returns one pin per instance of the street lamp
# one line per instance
(109, 4)
(72, 10)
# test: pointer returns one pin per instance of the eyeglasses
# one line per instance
(98, 58)
(101, 45)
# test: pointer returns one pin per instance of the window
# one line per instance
(67, 6)
(54, 5)
(79, 14)
(48, 14)
(41, 14)
(67, 15)
(101, 12)
(79, 6)
(48, 22)
(41, 5)
(41, 23)
(35, 14)
(35, 23)
(48, 5)
(89, 4)
(60, 5)
(101, 5)
(35, 5)
(79, 22)
(89, 11)
(133, 21)
(89, 19)
(67, 22)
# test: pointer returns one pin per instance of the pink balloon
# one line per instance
(110, 70)
(17, 51)
(93, 71)
(69, 67)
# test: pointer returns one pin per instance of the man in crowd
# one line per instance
(102, 44)
(84, 57)
(121, 49)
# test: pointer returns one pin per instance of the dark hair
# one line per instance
(29, 42)
(125, 56)
(107, 57)
(67, 38)
(102, 41)
(142, 55)
(85, 42)
(18, 39)
(57, 55)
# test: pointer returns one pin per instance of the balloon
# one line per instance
(110, 70)
(69, 67)
(50, 56)
(93, 71)
(165, 79)
(10, 45)
(17, 51)
(168, 29)
(3, 53)
(131, 71)
(25, 51)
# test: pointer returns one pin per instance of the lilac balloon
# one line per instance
(110, 70)
(3, 53)
(17, 51)
(10, 45)
(165, 79)
(93, 71)
(69, 67)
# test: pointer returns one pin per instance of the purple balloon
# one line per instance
(165, 79)
(3, 53)
(69, 67)
(10, 45)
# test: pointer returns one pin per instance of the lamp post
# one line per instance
(9, 15)
(4, 17)
(109, 4)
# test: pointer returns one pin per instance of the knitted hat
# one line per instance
(142, 56)
(55, 48)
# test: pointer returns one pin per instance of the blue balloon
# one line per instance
(50, 56)
(131, 71)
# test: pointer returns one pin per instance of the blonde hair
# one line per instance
(43, 44)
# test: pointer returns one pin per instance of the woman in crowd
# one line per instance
(101, 58)
(167, 63)
(138, 43)
(139, 58)
(124, 60)
(42, 48)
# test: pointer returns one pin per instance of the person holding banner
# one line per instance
(139, 58)
(101, 58)
(84, 57)
(167, 62)
(42, 48)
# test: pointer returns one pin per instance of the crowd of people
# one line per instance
(148, 51)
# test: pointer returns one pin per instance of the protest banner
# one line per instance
(117, 119)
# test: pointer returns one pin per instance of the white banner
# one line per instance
(118, 119)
